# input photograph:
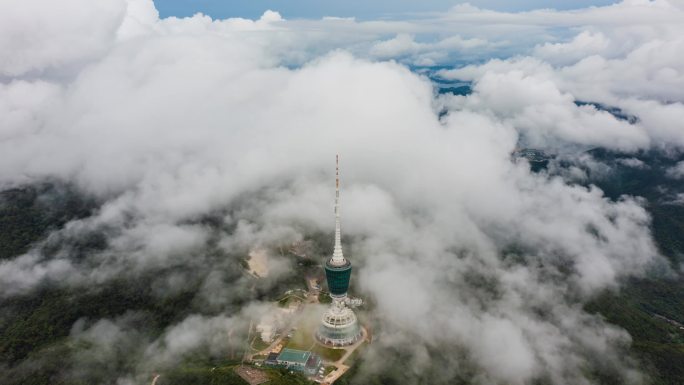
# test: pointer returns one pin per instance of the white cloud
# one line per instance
(583, 45)
(545, 114)
(644, 83)
(167, 121)
(426, 54)
(676, 171)
(633, 162)
(36, 36)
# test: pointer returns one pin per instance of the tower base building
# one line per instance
(339, 326)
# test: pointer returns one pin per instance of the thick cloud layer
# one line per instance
(460, 247)
(633, 68)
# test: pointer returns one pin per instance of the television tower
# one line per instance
(339, 326)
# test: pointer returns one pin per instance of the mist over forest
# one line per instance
(512, 190)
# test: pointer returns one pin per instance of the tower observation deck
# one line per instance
(339, 326)
(338, 278)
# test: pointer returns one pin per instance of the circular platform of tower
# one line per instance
(339, 327)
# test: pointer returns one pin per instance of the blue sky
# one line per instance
(357, 8)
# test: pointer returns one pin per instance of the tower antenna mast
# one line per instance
(338, 257)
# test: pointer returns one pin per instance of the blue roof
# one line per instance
(294, 356)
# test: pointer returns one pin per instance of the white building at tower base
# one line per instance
(339, 326)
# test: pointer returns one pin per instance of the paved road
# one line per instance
(278, 340)
(341, 368)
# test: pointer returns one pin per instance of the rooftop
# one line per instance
(292, 355)
(272, 357)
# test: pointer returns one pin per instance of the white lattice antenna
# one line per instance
(338, 257)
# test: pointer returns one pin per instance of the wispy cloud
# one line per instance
(168, 121)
